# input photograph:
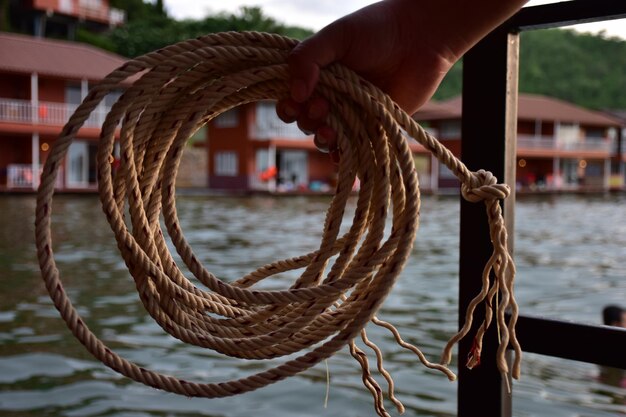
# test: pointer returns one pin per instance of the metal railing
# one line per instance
(269, 130)
(45, 113)
(490, 88)
(552, 143)
(21, 176)
(111, 16)
(90, 9)
(96, 10)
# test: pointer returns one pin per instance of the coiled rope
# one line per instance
(177, 90)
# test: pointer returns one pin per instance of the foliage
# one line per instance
(101, 42)
(580, 68)
(154, 30)
(584, 69)
(5, 22)
(138, 9)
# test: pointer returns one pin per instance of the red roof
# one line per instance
(436, 110)
(530, 107)
(27, 55)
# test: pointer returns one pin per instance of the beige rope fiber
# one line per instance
(177, 90)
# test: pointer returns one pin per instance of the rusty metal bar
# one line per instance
(602, 345)
(488, 129)
(488, 132)
(566, 13)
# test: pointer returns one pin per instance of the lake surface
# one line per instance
(570, 252)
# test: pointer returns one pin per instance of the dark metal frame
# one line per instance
(490, 93)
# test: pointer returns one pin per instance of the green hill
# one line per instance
(584, 69)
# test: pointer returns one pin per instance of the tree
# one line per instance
(155, 30)
(583, 69)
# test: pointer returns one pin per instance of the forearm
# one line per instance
(454, 26)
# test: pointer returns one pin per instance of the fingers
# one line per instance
(326, 139)
(288, 110)
(306, 59)
(311, 117)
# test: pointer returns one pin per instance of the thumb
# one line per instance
(309, 56)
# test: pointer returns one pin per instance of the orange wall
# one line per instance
(44, 4)
(15, 150)
(535, 170)
(321, 168)
(54, 4)
(527, 127)
(232, 139)
(15, 86)
(547, 129)
(51, 89)
(454, 146)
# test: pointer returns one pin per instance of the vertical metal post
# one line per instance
(621, 149)
(84, 89)
(34, 145)
(489, 128)
(271, 156)
(34, 149)
(556, 172)
(34, 97)
(434, 174)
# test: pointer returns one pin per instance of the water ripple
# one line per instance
(570, 256)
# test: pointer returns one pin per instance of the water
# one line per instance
(570, 253)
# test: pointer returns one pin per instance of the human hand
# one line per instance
(382, 44)
(405, 47)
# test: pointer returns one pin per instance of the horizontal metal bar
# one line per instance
(602, 345)
(566, 13)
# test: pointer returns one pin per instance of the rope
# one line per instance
(177, 90)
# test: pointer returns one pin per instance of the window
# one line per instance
(199, 137)
(228, 119)
(568, 132)
(73, 94)
(226, 163)
(268, 125)
(445, 173)
(112, 97)
(450, 129)
(77, 166)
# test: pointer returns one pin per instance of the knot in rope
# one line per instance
(177, 90)
(483, 185)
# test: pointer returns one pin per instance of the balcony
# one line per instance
(20, 176)
(113, 17)
(274, 128)
(552, 145)
(45, 113)
(93, 10)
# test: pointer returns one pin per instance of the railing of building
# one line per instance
(490, 91)
(21, 176)
(93, 9)
(116, 16)
(269, 129)
(45, 113)
(552, 143)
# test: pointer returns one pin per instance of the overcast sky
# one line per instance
(315, 14)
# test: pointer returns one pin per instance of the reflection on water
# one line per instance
(569, 250)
